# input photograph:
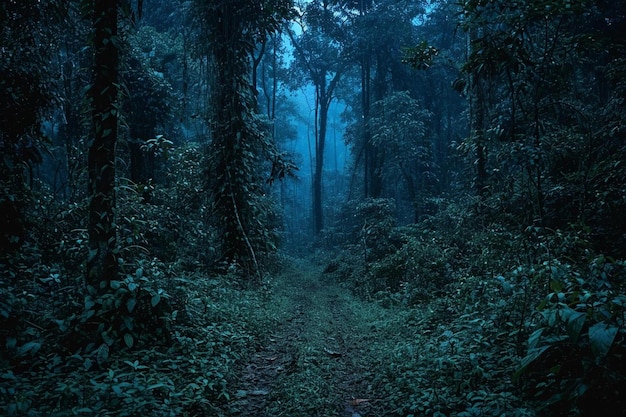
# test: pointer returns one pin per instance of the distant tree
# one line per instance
(270, 73)
(398, 124)
(319, 58)
(437, 58)
(378, 32)
(70, 128)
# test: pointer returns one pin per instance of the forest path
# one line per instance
(320, 360)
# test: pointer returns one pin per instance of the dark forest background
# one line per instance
(163, 160)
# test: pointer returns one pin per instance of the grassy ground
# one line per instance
(334, 354)
(318, 361)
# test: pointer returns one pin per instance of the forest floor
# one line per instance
(319, 360)
(335, 354)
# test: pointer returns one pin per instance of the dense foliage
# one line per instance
(458, 251)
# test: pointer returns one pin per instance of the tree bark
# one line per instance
(318, 212)
(324, 93)
(365, 111)
(102, 260)
(479, 136)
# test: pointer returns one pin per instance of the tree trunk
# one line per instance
(102, 261)
(234, 181)
(365, 109)
(318, 213)
(376, 153)
(478, 122)
(228, 133)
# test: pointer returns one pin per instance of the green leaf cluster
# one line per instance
(575, 349)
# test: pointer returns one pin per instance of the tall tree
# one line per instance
(102, 260)
(233, 28)
(320, 59)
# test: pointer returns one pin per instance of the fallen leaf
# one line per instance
(359, 401)
(333, 353)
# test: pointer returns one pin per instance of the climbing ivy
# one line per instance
(239, 143)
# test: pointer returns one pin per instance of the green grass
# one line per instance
(420, 360)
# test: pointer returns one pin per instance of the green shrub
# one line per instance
(574, 363)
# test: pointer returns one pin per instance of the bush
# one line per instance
(575, 354)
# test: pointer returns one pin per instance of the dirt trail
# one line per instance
(316, 362)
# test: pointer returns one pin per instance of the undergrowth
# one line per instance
(190, 368)
(494, 320)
